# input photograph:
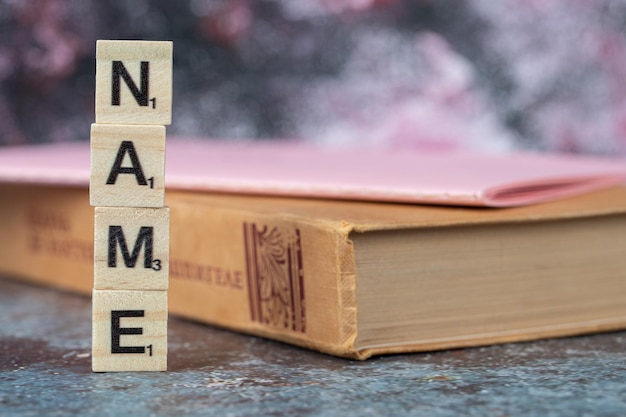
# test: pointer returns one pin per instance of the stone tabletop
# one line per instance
(45, 343)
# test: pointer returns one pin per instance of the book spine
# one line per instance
(285, 278)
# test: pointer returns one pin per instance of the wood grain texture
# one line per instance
(127, 165)
(129, 331)
(131, 248)
(134, 82)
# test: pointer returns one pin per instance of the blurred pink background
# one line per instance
(544, 75)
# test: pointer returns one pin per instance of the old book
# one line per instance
(354, 279)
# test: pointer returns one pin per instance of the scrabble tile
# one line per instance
(134, 82)
(129, 331)
(131, 248)
(127, 166)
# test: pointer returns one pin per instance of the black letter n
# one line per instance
(119, 70)
(145, 238)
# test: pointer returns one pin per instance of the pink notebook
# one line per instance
(301, 170)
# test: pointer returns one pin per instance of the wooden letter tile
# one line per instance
(131, 248)
(134, 82)
(129, 331)
(127, 165)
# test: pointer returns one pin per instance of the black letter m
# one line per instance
(145, 238)
(119, 70)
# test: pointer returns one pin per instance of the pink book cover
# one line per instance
(293, 169)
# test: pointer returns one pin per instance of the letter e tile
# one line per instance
(129, 331)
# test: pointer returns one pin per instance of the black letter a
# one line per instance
(127, 146)
(119, 70)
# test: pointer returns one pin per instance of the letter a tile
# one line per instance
(134, 82)
(127, 165)
(131, 248)
(129, 331)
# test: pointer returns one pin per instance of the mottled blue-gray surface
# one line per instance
(45, 370)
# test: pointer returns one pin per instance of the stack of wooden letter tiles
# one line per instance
(131, 239)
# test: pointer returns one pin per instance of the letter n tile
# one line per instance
(134, 82)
